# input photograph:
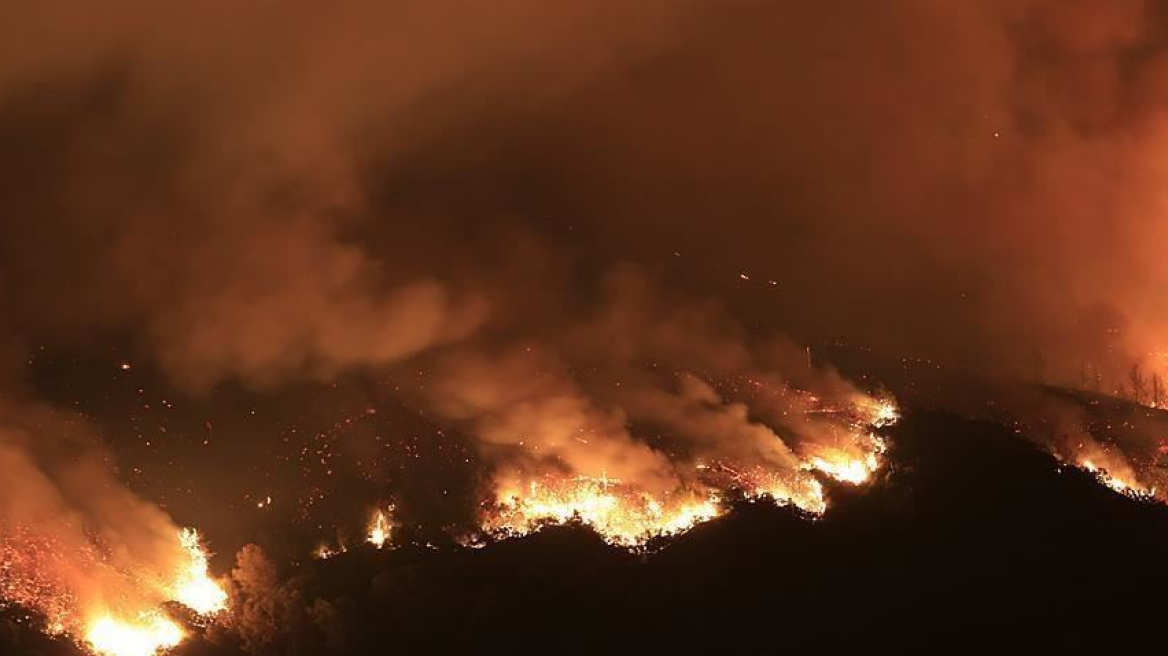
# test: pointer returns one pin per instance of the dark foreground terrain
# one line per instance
(972, 539)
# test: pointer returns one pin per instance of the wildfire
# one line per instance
(854, 471)
(379, 529)
(1122, 484)
(799, 489)
(75, 591)
(883, 412)
(151, 631)
(144, 636)
(621, 515)
(625, 515)
(855, 465)
(324, 552)
(194, 588)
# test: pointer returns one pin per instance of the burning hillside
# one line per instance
(93, 561)
(377, 292)
(112, 610)
(625, 514)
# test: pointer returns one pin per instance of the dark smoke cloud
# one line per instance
(310, 191)
(280, 191)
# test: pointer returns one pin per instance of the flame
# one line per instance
(152, 632)
(847, 470)
(378, 533)
(194, 588)
(620, 514)
(625, 515)
(73, 590)
(882, 412)
(324, 551)
(855, 465)
(1126, 485)
(759, 483)
(379, 530)
(144, 636)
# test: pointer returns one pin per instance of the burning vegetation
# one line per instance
(586, 268)
(127, 618)
(105, 570)
(629, 515)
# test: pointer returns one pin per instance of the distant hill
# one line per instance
(970, 538)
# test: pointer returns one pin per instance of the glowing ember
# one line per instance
(1123, 485)
(379, 529)
(73, 589)
(884, 413)
(324, 552)
(619, 514)
(626, 515)
(855, 466)
(796, 489)
(854, 471)
(145, 636)
(194, 588)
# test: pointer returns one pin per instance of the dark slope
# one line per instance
(971, 538)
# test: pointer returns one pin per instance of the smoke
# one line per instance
(312, 193)
(957, 179)
(647, 387)
(456, 188)
(75, 542)
(524, 408)
(697, 413)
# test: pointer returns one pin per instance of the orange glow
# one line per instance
(149, 631)
(1126, 485)
(854, 471)
(626, 515)
(324, 552)
(145, 636)
(379, 529)
(194, 588)
(855, 465)
(620, 514)
(112, 611)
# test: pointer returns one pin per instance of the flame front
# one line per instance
(855, 465)
(379, 530)
(1126, 485)
(194, 588)
(144, 636)
(620, 514)
(110, 610)
(151, 631)
(626, 515)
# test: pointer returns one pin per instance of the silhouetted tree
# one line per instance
(1157, 391)
(1139, 384)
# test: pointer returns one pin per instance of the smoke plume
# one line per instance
(75, 542)
(598, 233)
